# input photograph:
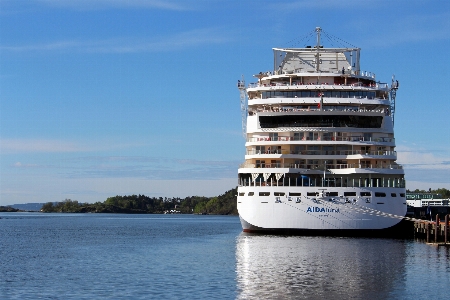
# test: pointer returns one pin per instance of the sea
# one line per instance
(118, 256)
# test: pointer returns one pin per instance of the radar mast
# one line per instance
(243, 94)
(393, 94)
(318, 30)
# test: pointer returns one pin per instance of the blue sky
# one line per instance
(114, 97)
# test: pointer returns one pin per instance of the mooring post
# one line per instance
(436, 229)
(428, 231)
(446, 229)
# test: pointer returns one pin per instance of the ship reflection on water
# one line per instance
(280, 267)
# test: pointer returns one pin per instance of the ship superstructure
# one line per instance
(320, 147)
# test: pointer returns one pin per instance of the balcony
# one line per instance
(348, 138)
(327, 108)
(392, 154)
(321, 166)
(323, 85)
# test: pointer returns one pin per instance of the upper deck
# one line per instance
(300, 66)
(318, 60)
(316, 65)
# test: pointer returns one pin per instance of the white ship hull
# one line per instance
(264, 213)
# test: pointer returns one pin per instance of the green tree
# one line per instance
(200, 208)
(48, 207)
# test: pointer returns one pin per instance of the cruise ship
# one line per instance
(320, 148)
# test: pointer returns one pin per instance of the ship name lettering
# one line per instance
(321, 209)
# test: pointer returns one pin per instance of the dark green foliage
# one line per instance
(445, 194)
(222, 205)
(8, 209)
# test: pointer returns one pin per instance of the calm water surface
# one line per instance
(92, 256)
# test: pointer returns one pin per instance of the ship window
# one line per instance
(251, 193)
(313, 194)
(379, 194)
(327, 137)
(264, 193)
(306, 94)
(350, 194)
(278, 194)
(320, 121)
(273, 136)
(393, 195)
(295, 194)
(365, 194)
(298, 136)
(241, 194)
(332, 194)
(260, 163)
(402, 195)
(336, 94)
(260, 149)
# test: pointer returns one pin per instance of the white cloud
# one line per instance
(38, 145)
(108, 4)
(51, 46)
(13, 146)
(188, 39)
(153, 168)
(423, 168)
(419, 158)
(21, 165)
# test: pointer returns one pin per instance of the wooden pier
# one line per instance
(435, 233)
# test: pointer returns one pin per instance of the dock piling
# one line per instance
(436, 230)
(446, 229)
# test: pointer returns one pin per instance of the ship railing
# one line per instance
(321, 166)
(327, 94)
(331, 181)
(326, 108)
(364, 74)
(322, 138)
(360, 73)
(322, 152)
(366, 166)
(321, 84)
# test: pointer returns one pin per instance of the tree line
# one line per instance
(445, 194)
(8, 209)
(224, 204)
(221, 205)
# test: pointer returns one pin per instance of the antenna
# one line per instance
(318, 30)
(393, 93)
(243, 94)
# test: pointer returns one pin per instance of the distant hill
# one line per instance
(28, 206)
